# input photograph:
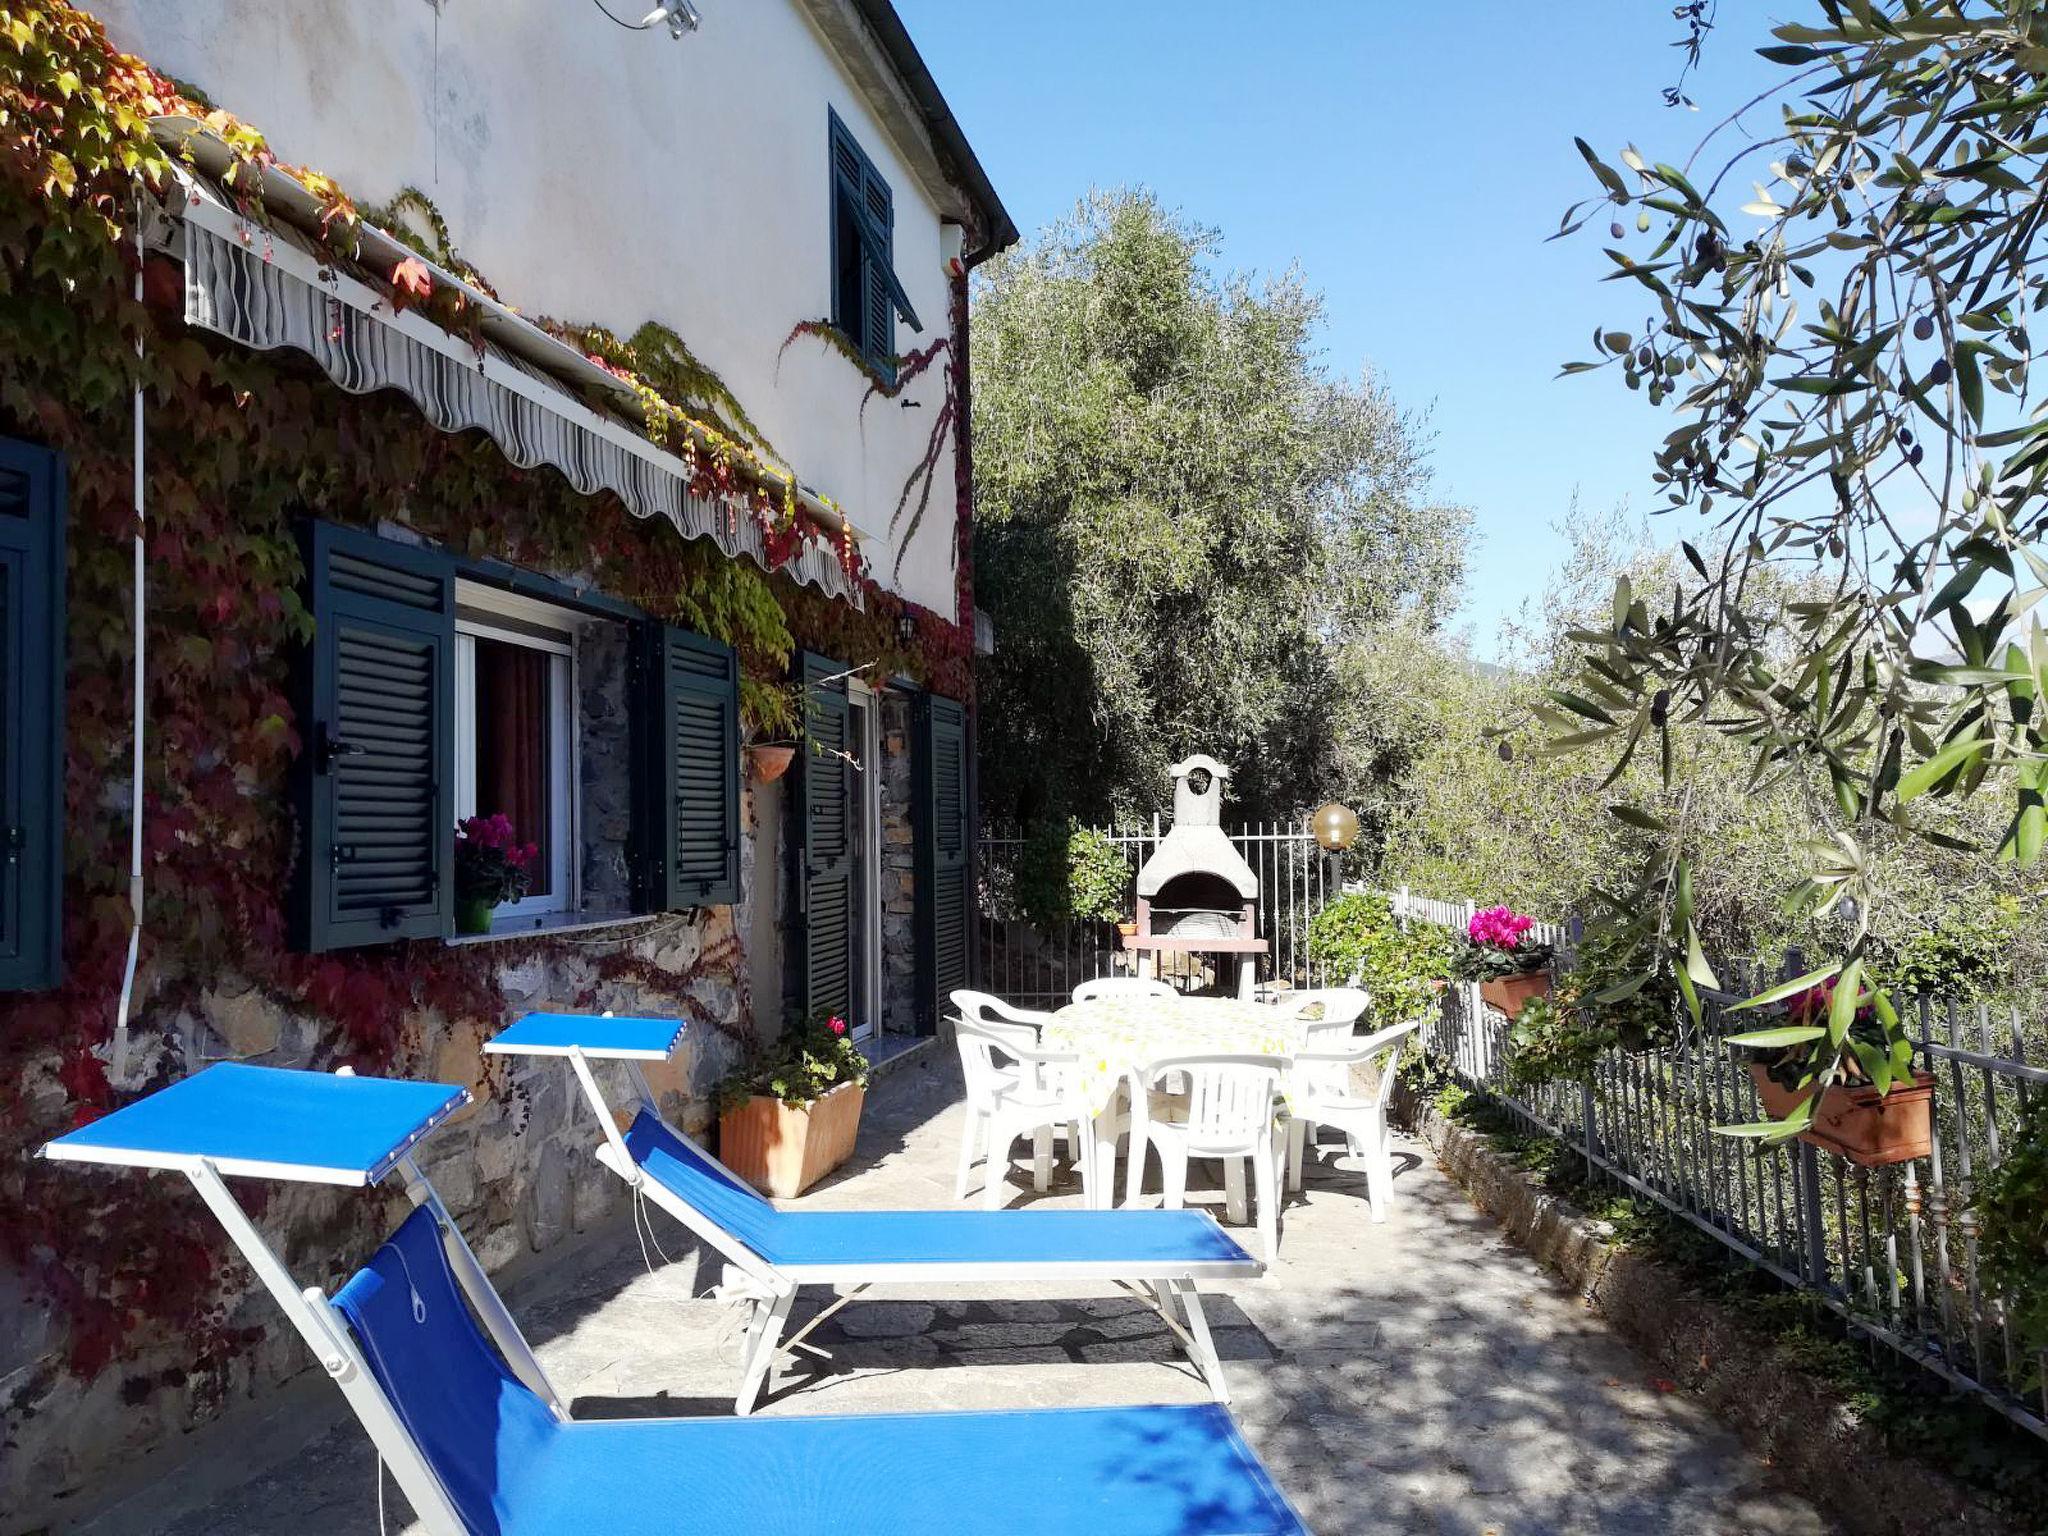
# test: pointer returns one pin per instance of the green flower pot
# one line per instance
(473, 914)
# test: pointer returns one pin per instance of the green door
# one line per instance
(825, 842)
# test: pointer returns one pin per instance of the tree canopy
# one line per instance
(1183, 518)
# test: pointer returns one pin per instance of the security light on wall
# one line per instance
(681, 17)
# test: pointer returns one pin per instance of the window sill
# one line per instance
(547, 924)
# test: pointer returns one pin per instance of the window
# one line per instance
(32, 493)
(609, 741)
(866, 295)
(515, 731)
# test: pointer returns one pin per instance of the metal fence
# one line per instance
(1893, 1250)
(1038, 966)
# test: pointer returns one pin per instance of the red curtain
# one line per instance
(512, 747)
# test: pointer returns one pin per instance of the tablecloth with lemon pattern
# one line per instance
(1113, 1036)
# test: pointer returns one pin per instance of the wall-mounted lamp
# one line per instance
(680, 16)
(906, 628)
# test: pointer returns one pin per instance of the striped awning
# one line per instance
(268, 286)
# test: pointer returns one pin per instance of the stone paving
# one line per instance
(1422, 1375)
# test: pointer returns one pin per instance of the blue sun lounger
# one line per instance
(482, 1445)
(1156, 1255)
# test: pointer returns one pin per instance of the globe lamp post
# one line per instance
(1336, 829)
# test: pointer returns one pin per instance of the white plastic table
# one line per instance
(1115, 1036)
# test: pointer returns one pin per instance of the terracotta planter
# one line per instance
(1868, 1128)
(769, 763)
(1508, 993)
(783, 1149)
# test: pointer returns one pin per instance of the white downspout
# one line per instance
(119, 1063)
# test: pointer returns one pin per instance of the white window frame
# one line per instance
(564, 743)
(868, 787)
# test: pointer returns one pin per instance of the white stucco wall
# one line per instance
(601, 175)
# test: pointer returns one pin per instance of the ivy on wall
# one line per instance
(924, 473)
(241, 447)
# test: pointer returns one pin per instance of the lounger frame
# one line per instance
(770, 1289)
(324, 1329)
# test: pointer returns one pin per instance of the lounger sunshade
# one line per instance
(482, 1444)
(260, 1122)
(1158, 1255)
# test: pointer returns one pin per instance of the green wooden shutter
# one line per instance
(689, 826)
(879, 206)
(862, 195)
(377, 751)
(32, 496)
(824, 840)
(942, 822)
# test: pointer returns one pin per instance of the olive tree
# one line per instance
(1840, 282)
(1182, 516)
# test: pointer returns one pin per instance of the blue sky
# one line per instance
(1412, 158)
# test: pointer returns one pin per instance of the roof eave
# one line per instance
(999, 231)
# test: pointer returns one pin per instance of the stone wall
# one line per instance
(515, 1168)
(605, 766)
(1811, 1427)
(899, 870)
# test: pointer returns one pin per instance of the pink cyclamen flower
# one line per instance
(1498, 927)
(836, 1024)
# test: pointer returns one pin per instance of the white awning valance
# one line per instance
(269, 286)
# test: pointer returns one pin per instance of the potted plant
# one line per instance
(772, 711)
(789, 1115)
(491, 866)
(1879, 1112)
(768, 761)
(1498, 953)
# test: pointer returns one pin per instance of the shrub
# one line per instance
(1357, 937)
(1067, 873)
(1611, 997)
(1555, 1039)
(1962, 952)
(2012, 1212)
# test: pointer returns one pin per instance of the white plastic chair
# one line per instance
(1339, 1006)
(1321, 1092)
(985, 1007)
(1041, 1091)
(1224, 1111)
(1123, 986)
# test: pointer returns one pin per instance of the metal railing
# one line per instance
(1038, 966)
(1893, 1250)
